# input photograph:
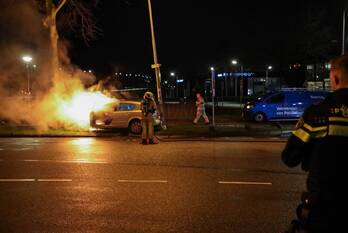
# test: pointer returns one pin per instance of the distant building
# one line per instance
(233, 84)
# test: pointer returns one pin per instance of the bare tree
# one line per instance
(76, 14)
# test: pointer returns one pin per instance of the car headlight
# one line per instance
(249, 106)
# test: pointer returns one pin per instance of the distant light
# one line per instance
(34, 66)
(234, 62)
(270, 67)
(89, 71)
(212, 68)
(165, 82)
(84, 71)
(27, 58)
(180, 81)
(116, 73)
(172, 74)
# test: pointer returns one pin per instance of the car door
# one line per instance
(274, 106)
(295, 104)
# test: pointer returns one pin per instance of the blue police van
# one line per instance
(284, 105)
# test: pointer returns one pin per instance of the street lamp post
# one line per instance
(235, 62)
(344, 32)
(27, 60)
(156, 66)
(267, 81)
(213, 94)
(172, 74)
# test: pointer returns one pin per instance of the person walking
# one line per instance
(148, 108)
(318, 144)
(200, 109)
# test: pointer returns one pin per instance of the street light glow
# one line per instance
(27, 58)
(172, 74)
(234, 62)
(270, 67)
(212, 68)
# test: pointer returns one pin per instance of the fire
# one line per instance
(76, 109)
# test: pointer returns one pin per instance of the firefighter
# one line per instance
(319, 144)
(148, 107)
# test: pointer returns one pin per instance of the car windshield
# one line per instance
(263, 97)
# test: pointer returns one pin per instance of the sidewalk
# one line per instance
(176, 129)
(185, 129)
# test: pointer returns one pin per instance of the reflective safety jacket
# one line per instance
(320, 144)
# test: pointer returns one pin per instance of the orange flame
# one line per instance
(68, 105)
(77, 109)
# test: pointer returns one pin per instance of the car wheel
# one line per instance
(260, 117)
(135, 126)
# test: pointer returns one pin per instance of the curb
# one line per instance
(220, 139)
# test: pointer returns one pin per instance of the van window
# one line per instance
(277, 98)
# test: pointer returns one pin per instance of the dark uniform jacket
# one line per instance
(320, 145)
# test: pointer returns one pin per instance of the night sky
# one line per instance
(191, 36)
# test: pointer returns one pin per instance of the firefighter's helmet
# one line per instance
(148, 95)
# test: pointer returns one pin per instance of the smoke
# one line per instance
(23, 33)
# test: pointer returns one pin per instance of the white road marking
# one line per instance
(17, 180)
(33, 180)
(245, 183)
(142, 181)
(54, 180)
(63, 161)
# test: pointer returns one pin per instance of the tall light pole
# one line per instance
(235, 62)
(156, 66)
(344, 31)
(27, 60)
(172, 74)
(267, 82)
(213, 94)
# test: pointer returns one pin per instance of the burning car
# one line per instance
(120, 114)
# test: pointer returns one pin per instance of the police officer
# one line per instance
(319, 144)
(148, 107)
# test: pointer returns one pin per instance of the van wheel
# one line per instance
(135, 126)
(259, 117)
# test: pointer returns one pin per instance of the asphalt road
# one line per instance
(117, 185)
